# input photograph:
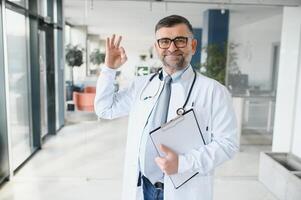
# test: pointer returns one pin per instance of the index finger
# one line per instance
(160, 161)
(107, 44)
(164, 148)
(112, 40)
(118, 41)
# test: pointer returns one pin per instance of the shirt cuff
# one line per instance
(108, 69)
(183, 164)
(108, 72)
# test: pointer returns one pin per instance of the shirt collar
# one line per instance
(175, 76)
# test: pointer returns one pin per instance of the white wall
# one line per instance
(78, 36)
(287, 129)
(296, 146)
(255, 48)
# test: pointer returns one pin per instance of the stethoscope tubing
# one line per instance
(181, 110)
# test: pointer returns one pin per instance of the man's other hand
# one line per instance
(169, 163)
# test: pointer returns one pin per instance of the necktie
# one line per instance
(159, 117)
(161, 111)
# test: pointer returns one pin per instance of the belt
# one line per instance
(157, 185)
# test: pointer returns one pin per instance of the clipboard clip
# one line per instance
(172, 122)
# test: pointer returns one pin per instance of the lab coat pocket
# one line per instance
(197, 188)
(203, 186)
(203, 117)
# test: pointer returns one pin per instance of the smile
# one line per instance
(173, 56)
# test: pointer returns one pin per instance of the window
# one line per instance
(18, 76)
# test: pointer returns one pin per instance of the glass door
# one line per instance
(4, 161)
(19, 87)
(43, 83)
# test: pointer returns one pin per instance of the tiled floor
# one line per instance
(84, 161)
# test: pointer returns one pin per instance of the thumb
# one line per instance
(122, 54)
(164, 149)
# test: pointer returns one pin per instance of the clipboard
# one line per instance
(181, 134)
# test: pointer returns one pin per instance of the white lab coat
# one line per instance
(213, 107)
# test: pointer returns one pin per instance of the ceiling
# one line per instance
(137, 19)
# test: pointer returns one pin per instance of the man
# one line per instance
(152, 100)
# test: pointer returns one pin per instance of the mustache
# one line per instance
(175, 53)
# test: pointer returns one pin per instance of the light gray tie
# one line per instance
(161, 111)
(159, 117)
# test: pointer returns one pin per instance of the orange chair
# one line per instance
(84, 101)
(90, 89)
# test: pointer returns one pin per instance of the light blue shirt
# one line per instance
(153, 172)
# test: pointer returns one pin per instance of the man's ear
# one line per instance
(156, 46)
(194, 44)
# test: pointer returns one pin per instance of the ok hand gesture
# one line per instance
(115, 55)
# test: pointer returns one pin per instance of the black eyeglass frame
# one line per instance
(173, 41)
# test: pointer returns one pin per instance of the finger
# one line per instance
(118, 41)
(107, 44)
(160, 161)
(112, 40)
(122, 54)
(164, 149)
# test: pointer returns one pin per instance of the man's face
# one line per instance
(178, 54)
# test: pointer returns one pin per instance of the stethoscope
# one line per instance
(180, 111)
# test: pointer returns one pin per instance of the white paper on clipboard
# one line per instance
(181, 134)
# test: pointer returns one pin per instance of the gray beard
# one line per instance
(178, 66)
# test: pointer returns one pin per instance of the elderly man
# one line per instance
(153, 100)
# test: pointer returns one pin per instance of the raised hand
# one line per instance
(115, 55)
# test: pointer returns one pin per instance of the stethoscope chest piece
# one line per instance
(180, 111)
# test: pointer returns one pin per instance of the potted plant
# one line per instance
(215, 65)
(96, 57)
(74, 58)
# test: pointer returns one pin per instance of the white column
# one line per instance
(296, 140)
(286, 102)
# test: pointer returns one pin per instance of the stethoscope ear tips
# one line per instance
(145, 98)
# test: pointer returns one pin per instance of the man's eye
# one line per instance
(164, 41)
(180, 39)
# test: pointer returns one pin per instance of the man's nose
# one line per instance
(172, 47)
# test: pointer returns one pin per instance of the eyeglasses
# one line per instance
(179, 42)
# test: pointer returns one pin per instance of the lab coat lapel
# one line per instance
(151, 89)
(180, 90)
(186, 80)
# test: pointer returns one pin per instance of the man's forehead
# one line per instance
(177, 30)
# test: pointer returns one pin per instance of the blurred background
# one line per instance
(52, 51)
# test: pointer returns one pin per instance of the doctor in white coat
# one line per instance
(146, 174)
